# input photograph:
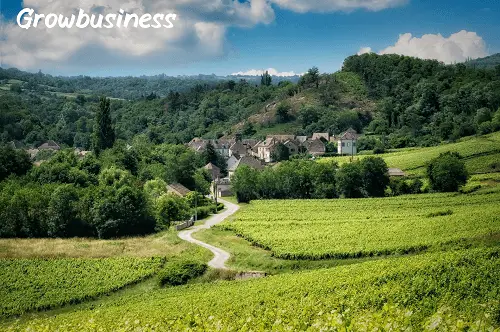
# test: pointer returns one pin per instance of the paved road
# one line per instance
(221, 256)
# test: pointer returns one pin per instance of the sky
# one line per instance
(225, 37)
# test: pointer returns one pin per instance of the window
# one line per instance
(343, 144)
(353, 143)
(348, 144)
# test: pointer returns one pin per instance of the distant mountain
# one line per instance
(489, 62)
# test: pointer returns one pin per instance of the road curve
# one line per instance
(220, 256)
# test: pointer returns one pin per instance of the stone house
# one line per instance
(347, 143)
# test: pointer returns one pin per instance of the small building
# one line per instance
(213, 170)
(238, 149)
(396, 172)
(266, 148)
(347, 143)
(178, 189)
(249, 161)
(324, 136)
(293, 147)
(301, 139)
(49, 145)
(315, 147)
(223, 188)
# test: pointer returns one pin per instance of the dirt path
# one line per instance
(220, 256)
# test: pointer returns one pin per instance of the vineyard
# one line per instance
(481, 154)
(442, 291)
(319, 229)
(38, 284)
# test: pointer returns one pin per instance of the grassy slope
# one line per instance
(482, 155)
(319, 229)
(458, 288)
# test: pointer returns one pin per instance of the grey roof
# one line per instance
(350, 134)
(49, 145)
(396, 172)
(178, 189)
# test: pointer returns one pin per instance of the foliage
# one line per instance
(40, 284)
(280, 153)
(266, 79)
(104, 135)
(320, 229)
(179, 273)
(442, 291)
(13, 162)
(447, 172)
(375, 176)
(171, 208)
(349, 180)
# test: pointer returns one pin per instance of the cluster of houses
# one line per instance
(256, 154)
(264, 150)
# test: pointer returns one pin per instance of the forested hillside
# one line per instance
(488, 62)
(398, 101)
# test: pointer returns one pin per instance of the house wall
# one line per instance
(347, 147)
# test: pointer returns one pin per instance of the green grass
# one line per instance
(245, 257)
(39, 284)
(482, 155)
(440, 291)
(349, 228)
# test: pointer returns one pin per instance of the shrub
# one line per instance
(447, 173)
(179, 273)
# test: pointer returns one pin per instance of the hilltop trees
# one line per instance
(104, 135)
(13, 162)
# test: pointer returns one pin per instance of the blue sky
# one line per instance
(290, 39)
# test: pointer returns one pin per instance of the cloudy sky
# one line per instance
(238, 36)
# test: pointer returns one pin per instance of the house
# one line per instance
(325, 136)
(293, 147)
(232, 161)
(198, 144)
(178, 189)
(396, 172)
(347, 143)
(315, 147)
(223, 188)
(32, 153)
(238, 149)
(266, 148)
(49, 145)
(213, 170)
(222, 147)
(280, 138)
(247, 160)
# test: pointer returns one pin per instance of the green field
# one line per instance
(481, 154)
(425, 292)
(36, 284)
(320, 229)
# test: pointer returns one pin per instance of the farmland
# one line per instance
(319, 229)
(481, 154)
(423, 292)
(38, 284)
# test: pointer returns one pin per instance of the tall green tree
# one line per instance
(104, 135)
(447, 173)
(266, 79)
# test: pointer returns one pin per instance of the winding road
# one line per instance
(220, 256)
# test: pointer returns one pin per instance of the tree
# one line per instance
(447, 173)
(16, 87)
(281, 153)
(245, 184)
(350, 181)
(13, 162)
(375, 176)
(62, 219)
(170, 208)
(266, 79)
(248, 129)
(282, 113)
(104, 135)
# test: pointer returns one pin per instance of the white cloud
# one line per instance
(271, 71)
(364, 50)
(458, 47)
(303, 6)
(199, 32)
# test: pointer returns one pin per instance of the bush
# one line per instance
(179, 273)
(447, 173)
